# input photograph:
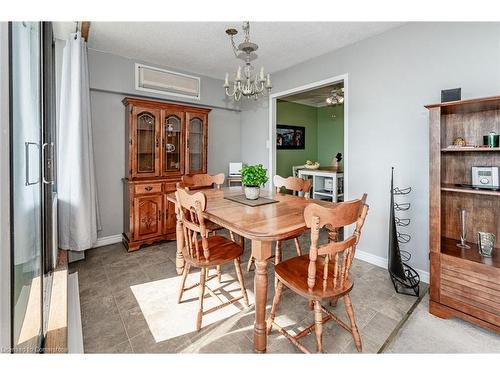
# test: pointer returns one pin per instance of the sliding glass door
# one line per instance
(26, 186)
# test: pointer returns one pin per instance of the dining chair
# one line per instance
(297, 185)
(205, 181)
(324, 273)
(203, 251)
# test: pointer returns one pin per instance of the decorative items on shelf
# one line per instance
(463, 230)
(253, 177)
(311, 164)
(491, 140)
(459, 141)
(404, 278)
(336, 161)
(485, 244)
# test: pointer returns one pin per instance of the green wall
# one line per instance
(299, 115)
(324, 134)
(330, 133)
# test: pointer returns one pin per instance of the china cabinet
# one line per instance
(164, 141)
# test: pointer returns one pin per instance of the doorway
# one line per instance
(310, 123)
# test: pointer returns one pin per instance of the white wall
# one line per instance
(4, 192)
(391, 77)
(111, 79)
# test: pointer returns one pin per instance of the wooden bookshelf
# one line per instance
(463, 283)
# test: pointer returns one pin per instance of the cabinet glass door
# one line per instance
(172, 143)
(147, 144)
(196, 136)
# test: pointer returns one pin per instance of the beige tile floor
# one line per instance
(127, 299)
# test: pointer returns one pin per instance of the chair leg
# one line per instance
(277, 259)
(274, 308)
(219, 274)
(350, 313)
(250, 263)
(239, 274)
(297, 246)
(333, 302)
(318, 326)
(183, 282)
(201, 295)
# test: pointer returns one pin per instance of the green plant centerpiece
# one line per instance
(253, 177)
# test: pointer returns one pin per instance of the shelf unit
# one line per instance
(463, 283)
(319, 178)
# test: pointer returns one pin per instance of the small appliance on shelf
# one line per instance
(485, 177)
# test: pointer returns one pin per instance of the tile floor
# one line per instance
(126, 297)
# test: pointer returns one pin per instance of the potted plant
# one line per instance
(253, 177)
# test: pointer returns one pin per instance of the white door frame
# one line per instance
(272, 122)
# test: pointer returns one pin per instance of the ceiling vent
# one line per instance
(161, 81)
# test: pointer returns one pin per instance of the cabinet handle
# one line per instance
(157, 142)
(148, 188)
(159, 215)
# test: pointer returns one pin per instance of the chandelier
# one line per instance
(246, 82)
(336, 97)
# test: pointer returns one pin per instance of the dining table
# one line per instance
(262, 225)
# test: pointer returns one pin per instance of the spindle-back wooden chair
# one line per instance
(297, 185)
(205, 181)
(203, 251)
(323, 274)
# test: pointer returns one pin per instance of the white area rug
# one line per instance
(167, 319)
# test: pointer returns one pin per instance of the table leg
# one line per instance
(179, 259)
(261, 251)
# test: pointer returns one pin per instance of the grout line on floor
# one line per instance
(123, 323)
(401, 323)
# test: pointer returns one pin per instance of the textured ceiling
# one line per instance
(204, 47)
(315, 97)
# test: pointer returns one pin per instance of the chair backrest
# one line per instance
(190, 208)
(336, 254)
(293, 183)
(201, 181)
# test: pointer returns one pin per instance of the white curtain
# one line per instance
(77, 194)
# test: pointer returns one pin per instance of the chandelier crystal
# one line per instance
(247, 82)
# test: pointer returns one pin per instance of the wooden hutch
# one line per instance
(463, 283)
(163, 142)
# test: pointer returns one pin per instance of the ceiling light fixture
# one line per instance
(336, 97)
(246, 82)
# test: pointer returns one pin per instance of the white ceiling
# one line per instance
(315, 97)
(204, 47)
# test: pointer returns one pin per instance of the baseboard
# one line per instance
(108, 240)
(382, 262)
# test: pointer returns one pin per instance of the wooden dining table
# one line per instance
(262, 225)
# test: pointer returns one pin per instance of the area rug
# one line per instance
(167, 319)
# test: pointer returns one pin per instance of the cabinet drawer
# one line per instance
(170, 186)
(151, 188)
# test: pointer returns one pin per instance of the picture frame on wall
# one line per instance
(290, 137)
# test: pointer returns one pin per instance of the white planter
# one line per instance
(252, 192)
